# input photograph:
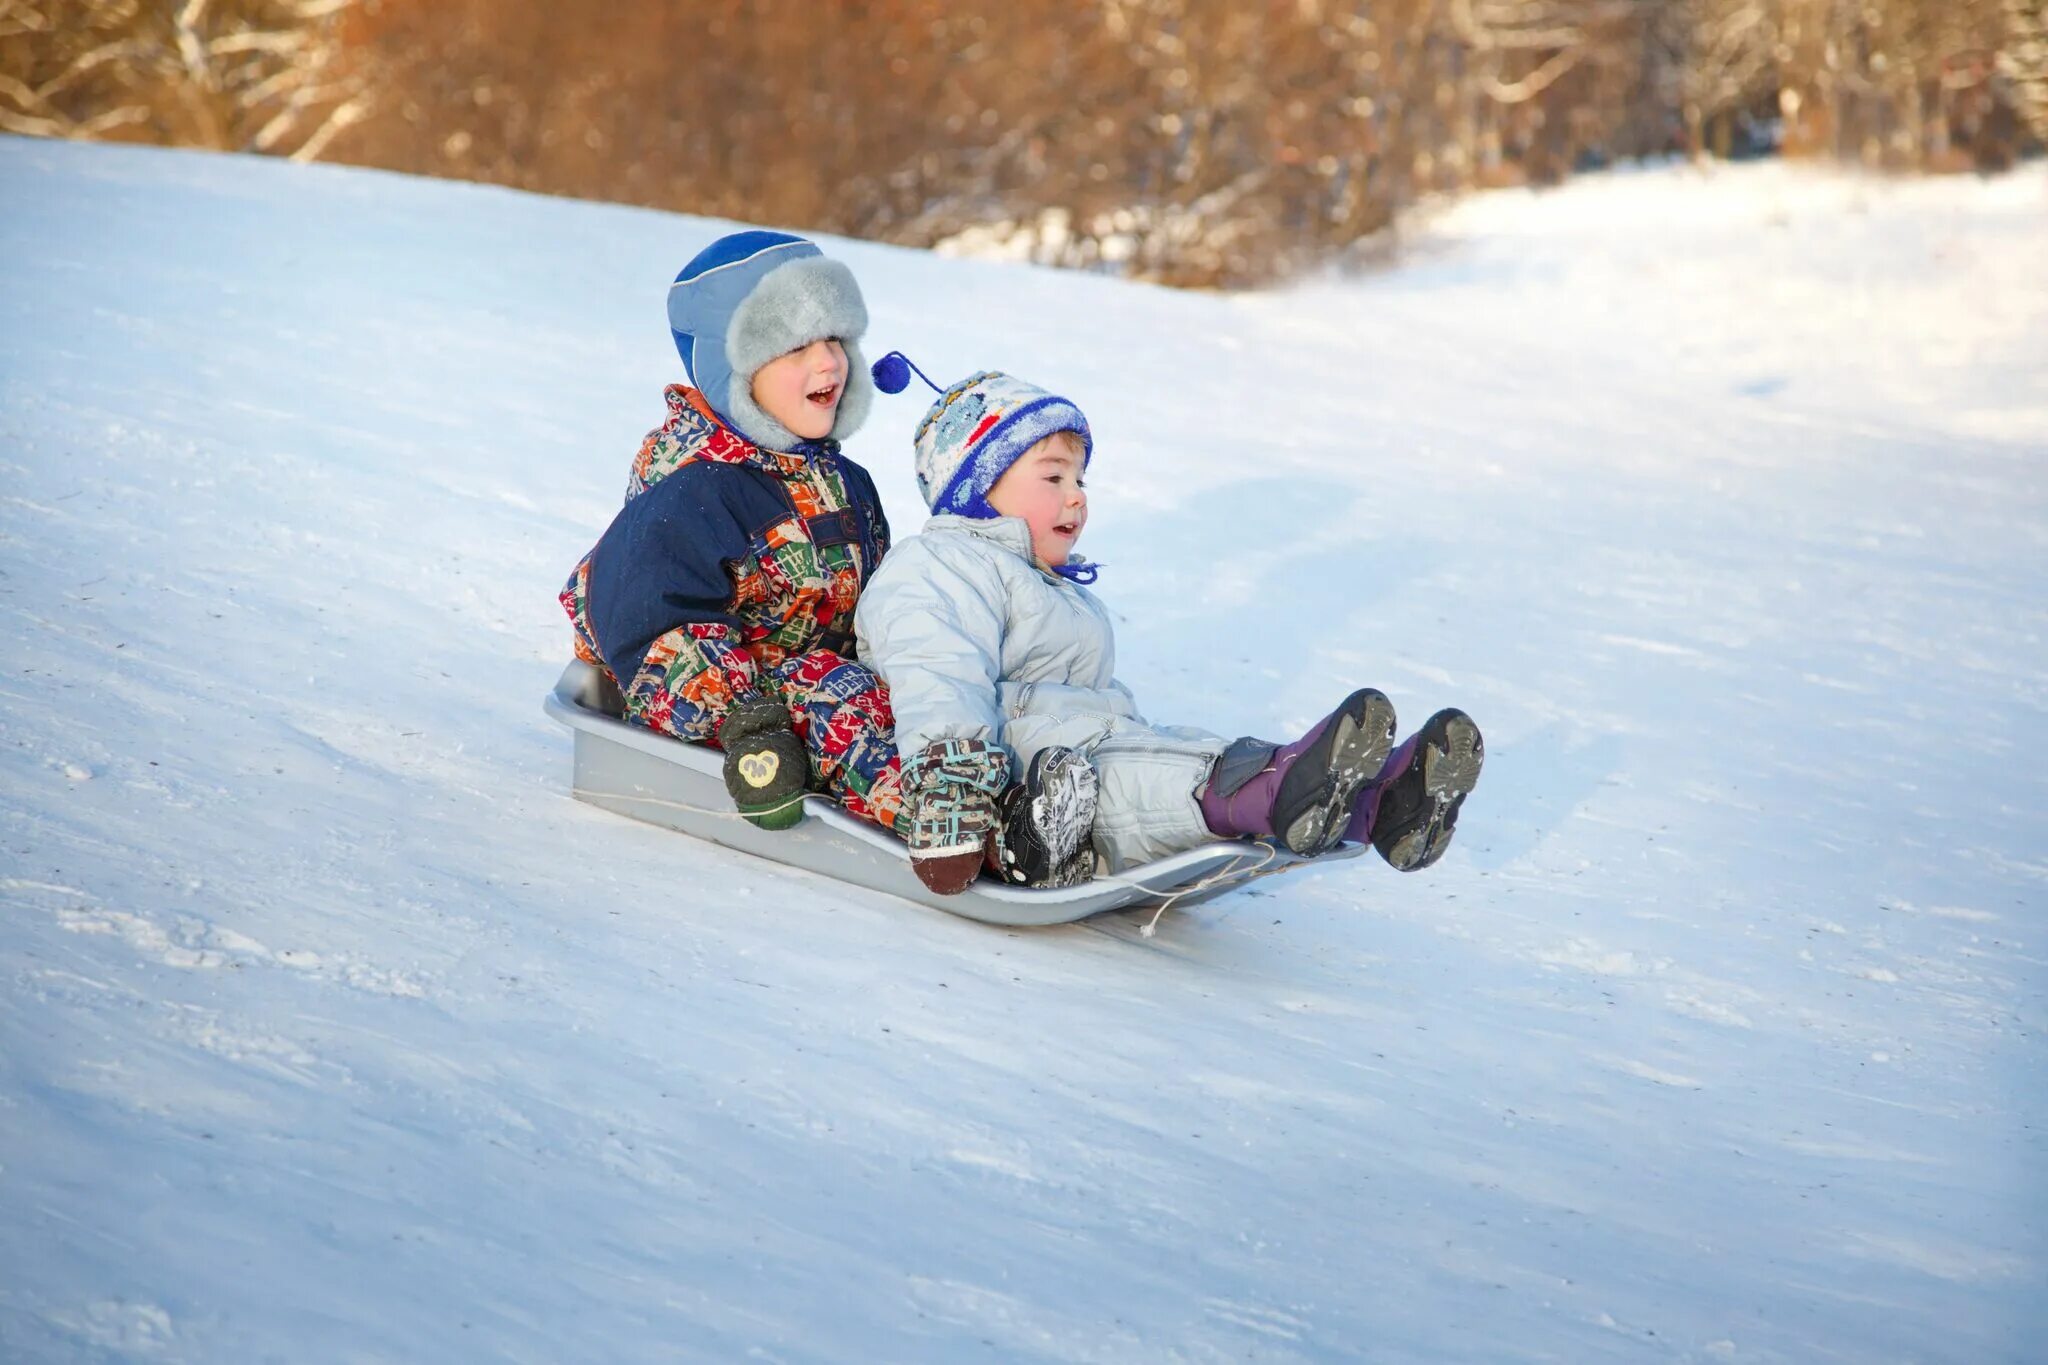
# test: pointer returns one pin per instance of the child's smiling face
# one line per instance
(1044, 488)
(802, 388)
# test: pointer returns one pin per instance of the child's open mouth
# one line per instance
(824, 397)
(1065, 528)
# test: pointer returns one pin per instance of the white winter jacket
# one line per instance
(976, 641)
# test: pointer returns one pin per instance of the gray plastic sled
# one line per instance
(636, 772)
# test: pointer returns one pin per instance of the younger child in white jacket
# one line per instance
(999, 661)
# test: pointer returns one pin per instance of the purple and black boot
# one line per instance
(1298, 794)
(1410, 811)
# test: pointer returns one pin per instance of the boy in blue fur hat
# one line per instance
(720, 599)
(997, 657)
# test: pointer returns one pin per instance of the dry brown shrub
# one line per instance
(1196, 142)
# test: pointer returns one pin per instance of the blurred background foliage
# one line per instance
(1194, 142)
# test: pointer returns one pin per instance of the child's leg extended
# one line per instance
(841, 712)
(1299, 795)
(1147, 783)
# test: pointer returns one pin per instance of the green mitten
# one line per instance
(765, 765)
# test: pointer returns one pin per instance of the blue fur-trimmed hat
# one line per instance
(976, 430)
(752, 296)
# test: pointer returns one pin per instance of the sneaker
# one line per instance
(1043, 823)
(1418, 810)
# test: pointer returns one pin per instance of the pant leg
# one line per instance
(840, 709)
(1146, 780)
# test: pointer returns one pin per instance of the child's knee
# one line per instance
(826, 682)
(844, 708)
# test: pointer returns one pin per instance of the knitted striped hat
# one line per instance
(976, 430)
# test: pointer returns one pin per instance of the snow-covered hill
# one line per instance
(331, 1029)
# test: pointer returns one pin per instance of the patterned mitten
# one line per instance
(764, 763)
(951, 788)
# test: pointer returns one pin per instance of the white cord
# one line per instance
(1230, 871)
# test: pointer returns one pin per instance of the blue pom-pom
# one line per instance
(891, 372)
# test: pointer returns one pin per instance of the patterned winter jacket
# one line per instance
(726, 561)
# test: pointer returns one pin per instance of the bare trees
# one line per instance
(1900, 83)
(2023, 61)
(1726, 56)
(1191, 141)
(258, 75)
(1540, 41)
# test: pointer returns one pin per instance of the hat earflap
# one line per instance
(810, 299)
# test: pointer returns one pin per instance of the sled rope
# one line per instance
(1228, 872)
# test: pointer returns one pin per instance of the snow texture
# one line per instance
(333, 1030)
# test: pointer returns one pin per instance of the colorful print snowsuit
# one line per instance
(732, 572)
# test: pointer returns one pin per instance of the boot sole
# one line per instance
(1451, 761)
(1061, 816)
(1065, 810)
(1314, 803)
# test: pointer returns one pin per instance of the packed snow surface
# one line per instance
(333, 1029)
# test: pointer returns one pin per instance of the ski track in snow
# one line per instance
(333, 1030)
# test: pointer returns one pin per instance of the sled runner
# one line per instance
(633, 771)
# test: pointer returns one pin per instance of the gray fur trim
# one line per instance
(757, 426)
(859, 395)
(795, 304)
(753, 423)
